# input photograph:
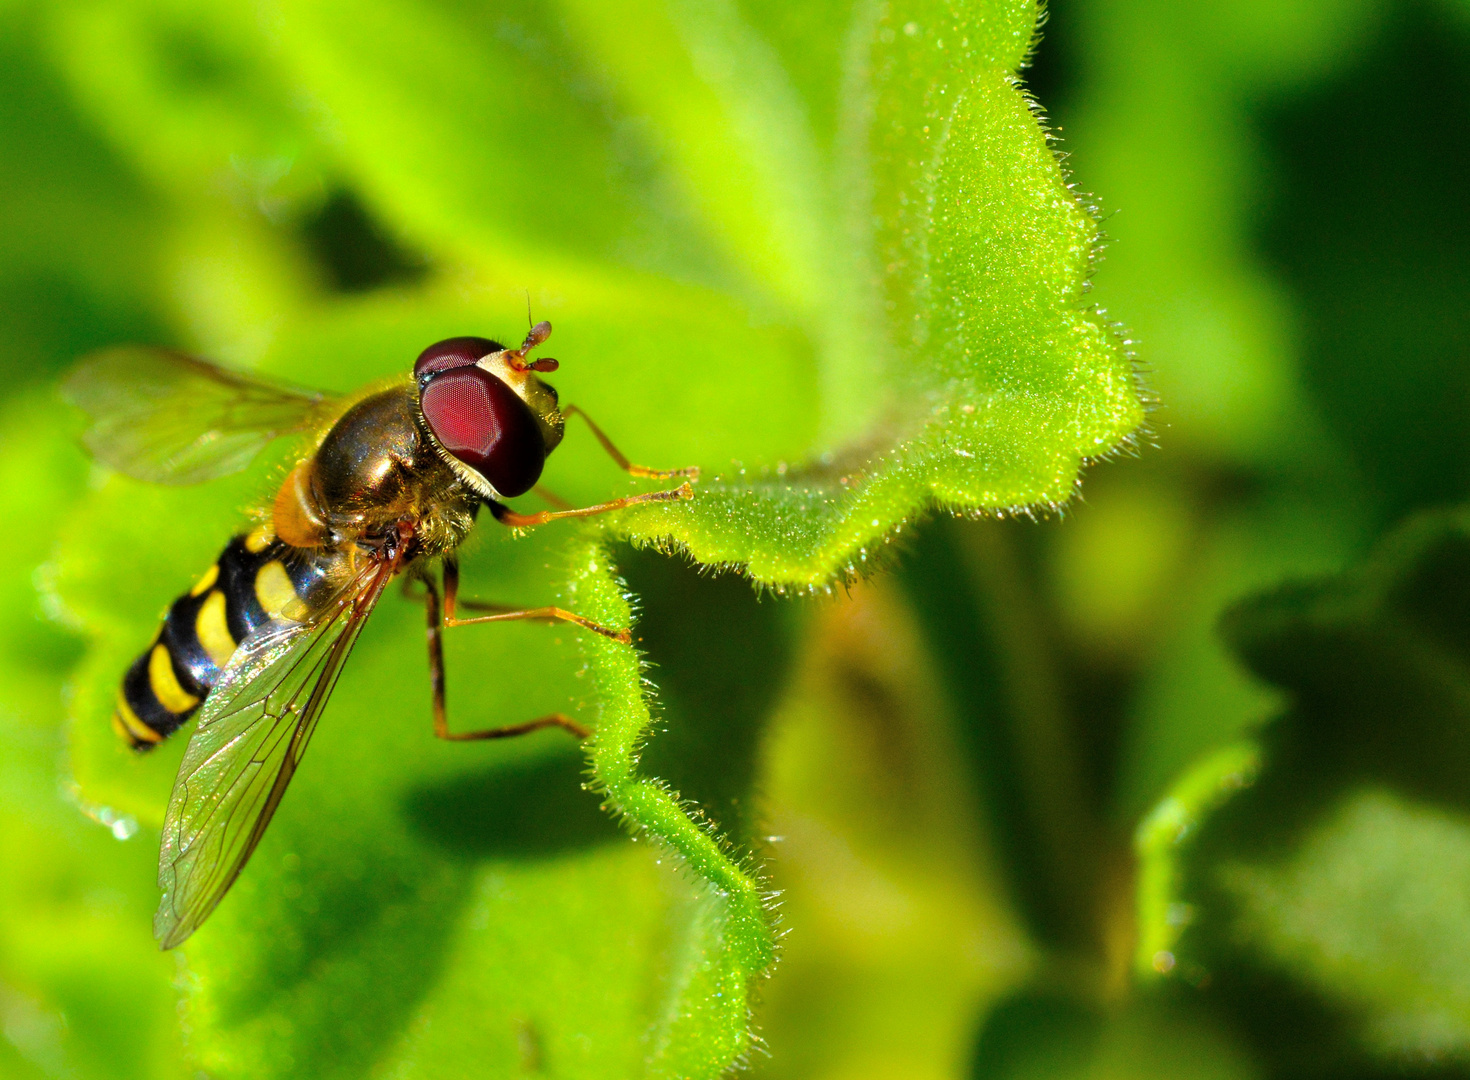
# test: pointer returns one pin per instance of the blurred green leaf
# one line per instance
(1159, 125)
(83, 991)
(1375, 291)
(969, 595)
(1186, 125)
(899, 936)
(192, 96)
(75, 224)
(1050, 1036)
(1373, 910)
(1171, 824)
(1329, 897)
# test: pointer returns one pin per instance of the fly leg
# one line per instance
(552, 497)
(506, 516)
(422, 577)
(452, 603)
(617, 455)
(436, 621)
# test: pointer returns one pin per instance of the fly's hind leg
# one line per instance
(437, 620)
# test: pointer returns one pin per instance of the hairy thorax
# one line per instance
(373, 471)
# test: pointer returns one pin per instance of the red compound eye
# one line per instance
(482, 422)
(452, 353)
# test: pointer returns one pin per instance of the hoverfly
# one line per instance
(390, 483)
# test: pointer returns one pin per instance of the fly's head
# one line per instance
(488, 412)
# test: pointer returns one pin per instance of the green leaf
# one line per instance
(1162, 834)
(395, 849)
(192, 96)
(1332, 890)
(940, 278)
(846, 282)
(83, 990)
(1050, 1036)
(985, 381)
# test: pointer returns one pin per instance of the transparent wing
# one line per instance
(252, 733)
(172, 419)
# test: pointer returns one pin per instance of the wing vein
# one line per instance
(171, 419)
(252, 734)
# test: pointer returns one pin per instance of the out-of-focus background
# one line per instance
(961, 760)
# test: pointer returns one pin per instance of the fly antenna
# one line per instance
(539, 333)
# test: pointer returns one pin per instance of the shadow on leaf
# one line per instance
(520, 810)
(720, 654)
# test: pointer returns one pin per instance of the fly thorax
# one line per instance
(366, 461)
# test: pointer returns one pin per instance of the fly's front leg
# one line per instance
(617, 455)
(552, 497)
(506, 516)
(436, 679)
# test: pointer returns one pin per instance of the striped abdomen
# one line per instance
(254, 580)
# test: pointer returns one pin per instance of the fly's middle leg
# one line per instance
(504, 613)
(436, 620)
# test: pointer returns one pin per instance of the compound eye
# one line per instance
(482, 422)
(452, 353)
